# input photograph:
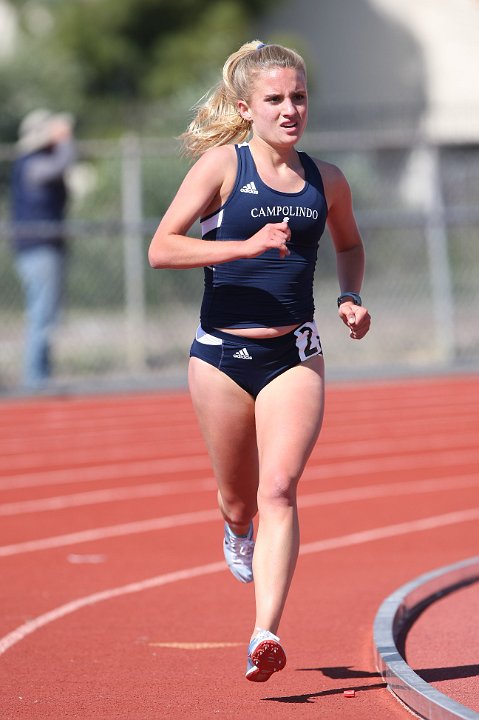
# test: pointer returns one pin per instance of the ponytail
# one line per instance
(217, 120)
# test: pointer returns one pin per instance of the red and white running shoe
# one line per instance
(265, 657)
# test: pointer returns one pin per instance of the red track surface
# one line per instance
(115, 602)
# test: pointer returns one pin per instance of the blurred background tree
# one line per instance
(119, 64)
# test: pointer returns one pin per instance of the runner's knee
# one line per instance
(277, 491)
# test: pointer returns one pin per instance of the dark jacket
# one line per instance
(39, 196)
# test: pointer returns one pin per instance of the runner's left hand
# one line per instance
(356, 317)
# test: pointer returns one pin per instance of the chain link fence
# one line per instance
(124, 324)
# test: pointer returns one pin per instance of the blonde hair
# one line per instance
(217, 120)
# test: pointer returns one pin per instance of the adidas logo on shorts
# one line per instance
(249, 188)
(243, 354)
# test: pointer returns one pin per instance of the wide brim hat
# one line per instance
(35, 131)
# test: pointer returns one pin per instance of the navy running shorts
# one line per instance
(253, 362)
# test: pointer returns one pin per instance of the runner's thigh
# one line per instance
(289, 413)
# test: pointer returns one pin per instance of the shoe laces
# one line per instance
(241, 547)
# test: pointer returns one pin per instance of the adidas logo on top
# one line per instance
(243, 354)
(249, 188)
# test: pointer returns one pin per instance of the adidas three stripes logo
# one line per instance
(243, 354)
(249, 188)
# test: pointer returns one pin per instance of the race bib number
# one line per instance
(307, 341)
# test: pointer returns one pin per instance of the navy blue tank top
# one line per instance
(265, 291)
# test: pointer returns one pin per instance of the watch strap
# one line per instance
(355, 298)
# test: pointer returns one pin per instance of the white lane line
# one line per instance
(95, 497)
(369, 492)
(393, 463)
(329, 448)
(120, 494)
(107, 452)
(316, 468)
(94, 473)
(357, 538)
(111, 531)
(312, 500)
(29, 627)
(20, 462)
(98, 440)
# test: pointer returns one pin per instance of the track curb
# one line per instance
(395, 615)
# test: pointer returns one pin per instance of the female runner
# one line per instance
(256, 372)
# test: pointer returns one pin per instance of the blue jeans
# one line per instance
(41, 270)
